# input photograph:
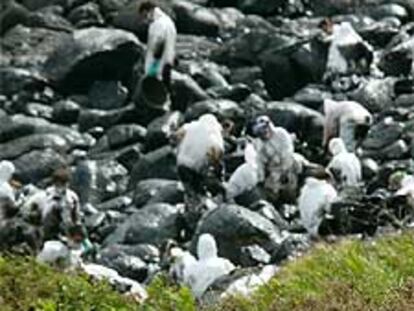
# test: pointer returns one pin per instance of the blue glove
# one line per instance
(154, 68)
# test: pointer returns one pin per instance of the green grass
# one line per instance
(351, 275)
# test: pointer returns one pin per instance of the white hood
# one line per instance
(6, 171)
(206, 247)
(337, 146)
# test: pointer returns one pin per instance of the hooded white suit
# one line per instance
(315, 199)
(6, 172)
(345, 116)
(344, 162)
(202, 139)
(208, 268)
(162, 30)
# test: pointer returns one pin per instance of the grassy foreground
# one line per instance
(351, 275)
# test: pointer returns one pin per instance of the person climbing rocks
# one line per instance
(348, 120)
(344, 166)
(209, 267)
(6, 190)
(162, 33)
(314, 202)
(200, 163)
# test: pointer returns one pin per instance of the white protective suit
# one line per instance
(315, 199)
(271, 161)
(6, 173)
(162, 30)
(202, 138)
(345, 163)
(344, 116)
(407, 189)
(246, 176)
(182, 260)
(208, 268)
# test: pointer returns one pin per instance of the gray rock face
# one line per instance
(19, 125)
(36, 165)
(106, 95)
(152, 191)
(383, 134)
(235, 227)
(223, 109)
(39, 43)
(306, 123)
(161, 129)
(154, 224)
(160, 163)
(92, 54)
(20, 146)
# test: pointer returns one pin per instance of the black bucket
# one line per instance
(153, 93)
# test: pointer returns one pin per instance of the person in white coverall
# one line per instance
(200, 163)
(162, 35)
(270, 160)
(209, 267)
(348, 120)
(314, 201)
(6, 190)
(344, 165)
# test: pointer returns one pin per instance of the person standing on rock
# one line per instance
(162, 35)
(200, 162)
(348, 120)
(314, 201)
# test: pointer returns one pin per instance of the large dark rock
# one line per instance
(160, 163)
(39, 43)
(20, 146)
(36, 165)
(375, 94)
(86, 15)
(287, 63)
(235, 227)
(161, 129)
(89, 118)
(19, 237)
(397, 59)
(120, 136)
(195, 47)
(236, 92)
(383, 134)
(93, 54)
(185, 91)
(19, 125)
(106, 95)
(153, 224)
(198, 20)
(306, 123)
(126, 265)
(35, 5)
(109, 180)
(65, 112)
(14, 80)
(49, 20)
(221, 108)
(12, 13)
(152, 191)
